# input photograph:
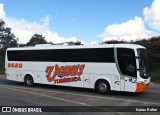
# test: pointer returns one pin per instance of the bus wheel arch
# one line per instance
(28, 80)
(102, 86)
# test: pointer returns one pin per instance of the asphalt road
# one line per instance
(17, 94)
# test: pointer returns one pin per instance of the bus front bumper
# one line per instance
(141, 87)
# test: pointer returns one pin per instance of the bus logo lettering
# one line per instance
(63, 72)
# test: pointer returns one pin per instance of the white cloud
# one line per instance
(152, 15)
(135, 28)
(24, 29)
(130, 30)
(2, 13)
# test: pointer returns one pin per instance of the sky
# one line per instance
(90, 21)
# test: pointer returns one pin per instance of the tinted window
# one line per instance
(64, 55)
(143, 63)
(127, 61)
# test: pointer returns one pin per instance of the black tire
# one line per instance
(102, 87)
(29, 81)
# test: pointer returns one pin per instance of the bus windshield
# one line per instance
(143, 63)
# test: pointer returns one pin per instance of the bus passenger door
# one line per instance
(126, 63)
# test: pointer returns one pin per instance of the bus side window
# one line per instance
(127, 61)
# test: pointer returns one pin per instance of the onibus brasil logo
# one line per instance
(68, 73)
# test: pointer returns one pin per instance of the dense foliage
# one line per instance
(153, 48)
(7, 39)
(36, 39)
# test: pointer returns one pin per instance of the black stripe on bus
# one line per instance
(63, 55)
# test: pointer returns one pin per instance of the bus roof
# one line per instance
(133, 46)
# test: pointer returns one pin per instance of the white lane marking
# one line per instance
(12, 88)
(84, 104)
(89, 96)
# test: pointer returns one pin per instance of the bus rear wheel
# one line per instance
(102, 87)
(29, 80)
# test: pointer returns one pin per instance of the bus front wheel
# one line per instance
(102, 87)
(29, 80)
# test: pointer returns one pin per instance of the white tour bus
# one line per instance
(119, 67)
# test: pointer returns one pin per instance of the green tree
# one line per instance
(36, 39)
(7, 38)
(114, 42)
(153, 48)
